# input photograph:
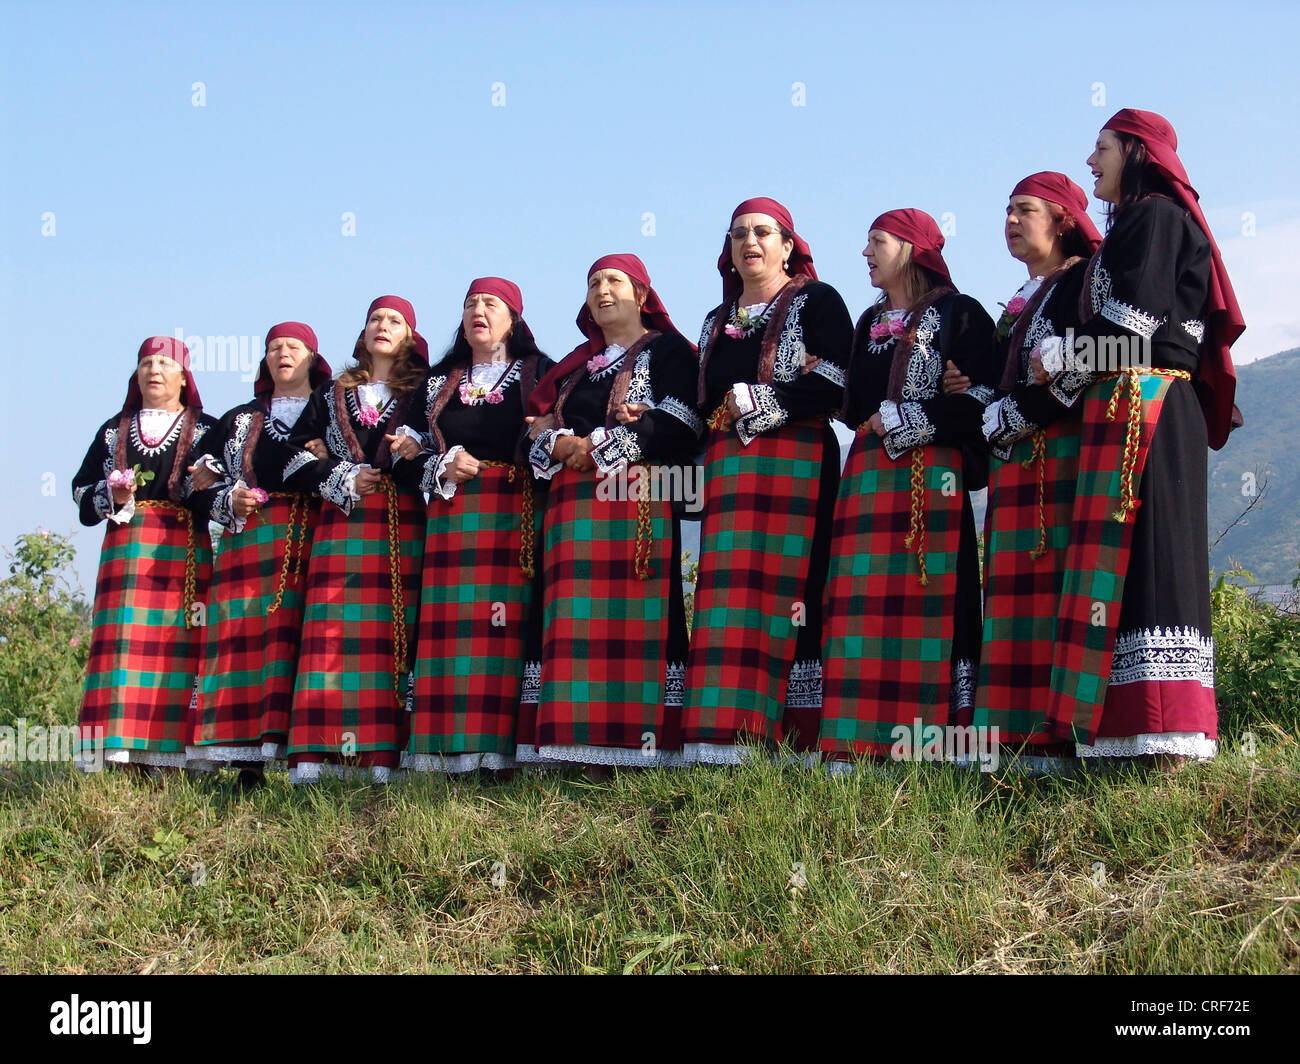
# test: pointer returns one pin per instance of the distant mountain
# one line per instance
(1267, 540)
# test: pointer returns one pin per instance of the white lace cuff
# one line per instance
(236, 523)
(539, 456)
(340, 487)
(890, 418)
(992, 419)
(1051, 352)
(406, 430)
(744, 396)
(434, 468)
(213, 464)
(124, 514)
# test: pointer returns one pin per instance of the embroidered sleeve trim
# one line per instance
(917, 431)
(1073, 380)
(982, 393)
(1134, 319)
(1195, 329)
(616, 449)
(539, 455)
(830, 371)
(768, 414)
(1007, 426)
(340, 487)
(684, 413)
(297, 462)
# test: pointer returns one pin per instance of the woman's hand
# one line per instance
(579, 459)
(243, 502)
(1041, 376)
(204, 478)
(367, 482)
(462, 468)
(317, 447)
(733, 411)
(403, 446)
(876, 424)
(121, 496)
(626, 413)
(954, 381)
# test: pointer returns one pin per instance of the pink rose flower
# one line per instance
(259, 495)
(597, 363)
(74, 642)
(368, 416)
(495, 397)
(121, 478)
(1016, 305)
(896, 327)
(879, 331)
(734, 331)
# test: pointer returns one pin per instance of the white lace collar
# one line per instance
(152, 429)
(286, 409)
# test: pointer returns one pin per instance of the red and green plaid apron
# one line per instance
(350, 690)
(1027, 538)
(254, 624)
(1116, 437)
(755, 553)
(479, 554)
(146, 639)
(607, 567)
(890, 596)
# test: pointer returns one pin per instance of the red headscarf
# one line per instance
(404, 308)
(506, 291)
(922, 232)
(801, 260)
(1223, 315)
(1059, 189)
(320, 370)
(653, 313)
(173, 349)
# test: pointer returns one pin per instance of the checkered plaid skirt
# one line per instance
(754, 594)
(146, 639)
(475, 608)
(1097, 603)
(1027, 538)
(254, 624)
(891, 604)
(608, 625)
(350, 690)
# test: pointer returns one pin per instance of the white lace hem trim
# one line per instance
(1180, 744)
(716, 754)
(226, 754)
(315, 771)
(633, 757)
(456, 764)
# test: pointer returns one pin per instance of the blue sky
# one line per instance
(527, 140)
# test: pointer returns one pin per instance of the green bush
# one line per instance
(44, 632)
(1256, 658)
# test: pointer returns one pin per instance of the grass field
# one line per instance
(762, 868)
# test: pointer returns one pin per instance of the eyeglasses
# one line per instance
(761, 232)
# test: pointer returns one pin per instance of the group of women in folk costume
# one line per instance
(531, 610)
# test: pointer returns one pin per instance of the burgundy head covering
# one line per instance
(1059, 189)
(173, 349)
(404, 308)
(1223, 314)
(320, 370)
(654, 313)
(506, 291)
(922, 232)
(801, 260)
